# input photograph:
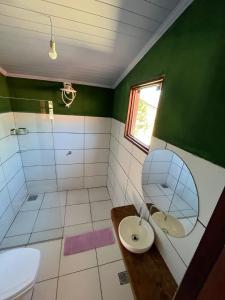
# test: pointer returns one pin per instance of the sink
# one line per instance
(169, 224)
(134, 237)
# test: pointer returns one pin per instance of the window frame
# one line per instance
(132, 109)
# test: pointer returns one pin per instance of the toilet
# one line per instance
(18, 272)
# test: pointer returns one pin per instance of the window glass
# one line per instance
(143, 105)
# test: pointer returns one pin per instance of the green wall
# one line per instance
(4, 91)
(191, 54)
(90, 101)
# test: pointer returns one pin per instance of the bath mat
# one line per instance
(89, 240)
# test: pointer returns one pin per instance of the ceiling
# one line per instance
(97, 40)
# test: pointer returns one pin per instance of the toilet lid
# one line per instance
(18, 271)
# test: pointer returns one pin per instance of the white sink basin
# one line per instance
(169, 224)
(134, 237)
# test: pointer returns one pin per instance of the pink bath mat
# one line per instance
(89, 240)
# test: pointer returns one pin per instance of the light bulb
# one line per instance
(52, 51)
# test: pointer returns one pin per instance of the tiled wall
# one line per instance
(124, 184)
(68, 152)
(12, 182)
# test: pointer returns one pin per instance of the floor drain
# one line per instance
(164, 186)
(123, 278)
(32, 198)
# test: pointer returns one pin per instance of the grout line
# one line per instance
(60, 253)
(94, 267)
(63, 178)
(100, 284)
(19, 146)
(7, 183)
(5, 236)
(65, 215)
(53, 143)
(36, 218)
(11, 156)
(66, 164)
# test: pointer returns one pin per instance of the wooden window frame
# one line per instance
(132, 111)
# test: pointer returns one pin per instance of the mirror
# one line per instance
(170, 192)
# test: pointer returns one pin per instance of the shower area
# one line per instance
(53, 172)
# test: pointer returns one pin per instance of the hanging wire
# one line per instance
(51, 25)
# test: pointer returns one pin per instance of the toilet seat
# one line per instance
(18, 271)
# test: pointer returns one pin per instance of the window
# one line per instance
(144, 100)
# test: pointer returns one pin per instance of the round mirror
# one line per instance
(170, 192)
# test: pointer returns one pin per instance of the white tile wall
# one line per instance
(96, 155)
(7, 123)
(41, 186)
(39, 172)
(36, 141)
(96, 169)
(8, 147)
(96, 141)
(68, 141)
(12, 182)
(37, 157)
(33, 122)
(66, 171)
(4, 201)
(70, 183)
(124, 177)
(68, 152)
(12, 166)
(65, 123)
(95, 181)
(69, 157)
(97, 125)
(64, 151)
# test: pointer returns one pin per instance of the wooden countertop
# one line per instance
(149, 275)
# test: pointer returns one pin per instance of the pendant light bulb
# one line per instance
(52, 51)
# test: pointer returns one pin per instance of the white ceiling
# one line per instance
(97, 40)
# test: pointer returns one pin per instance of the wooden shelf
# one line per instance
(149, 275)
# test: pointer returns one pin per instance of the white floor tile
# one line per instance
(33, 205)
(77, 197)
(98, 194)
(14, 241)
(111, 288)
(77, 229)
(50, 255)
(101, 210)
(45, 290)
(55, 199)
(77, 214)
(46, 235)
(80, 286)
(80, 261)
(108, 253)
(23, 223)
(50, 218)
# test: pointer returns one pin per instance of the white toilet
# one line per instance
(18, 272)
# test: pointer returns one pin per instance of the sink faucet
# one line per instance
(141, 217)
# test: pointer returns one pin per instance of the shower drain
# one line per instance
(123, 277)
(32, 198)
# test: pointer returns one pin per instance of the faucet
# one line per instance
(141, 217)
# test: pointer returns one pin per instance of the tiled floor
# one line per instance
(45, 218)
(90, 275)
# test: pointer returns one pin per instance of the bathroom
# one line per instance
(73, 161)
